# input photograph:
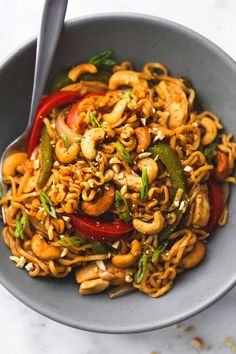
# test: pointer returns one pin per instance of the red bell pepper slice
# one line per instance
(216, 203)
(73, 114)
(56, 99)
(97, 230)
(222, 166)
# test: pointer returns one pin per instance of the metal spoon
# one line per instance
(51, 25)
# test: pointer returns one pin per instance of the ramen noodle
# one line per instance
(124, 179)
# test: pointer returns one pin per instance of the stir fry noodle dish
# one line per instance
(124, 178)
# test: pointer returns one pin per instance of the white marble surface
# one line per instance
(24, 331)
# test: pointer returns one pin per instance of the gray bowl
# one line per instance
(141, 39)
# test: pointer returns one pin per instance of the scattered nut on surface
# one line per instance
(197, 342)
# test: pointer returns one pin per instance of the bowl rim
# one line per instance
(33, 304)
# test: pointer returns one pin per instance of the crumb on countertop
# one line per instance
(197, 342)
(177, 325)
(228, 342)
(189, 330)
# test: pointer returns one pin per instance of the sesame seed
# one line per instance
(101, 265)
(176, 203)
(144, 121)
(144, 154)
(128, 279)
(182, 204)
(56, 164)
(156, 158)
(188, 168)
(64, 252)
(116, 244)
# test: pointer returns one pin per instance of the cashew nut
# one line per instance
(195, 256)
(80, 69)
(65, 155)
(95, 286)
(126, 78)
(114, 116)
(144, 139)
(133, 181)
(210, 130)
(43, 250)
(202, 208)
(151, 166)
(88, 272)
(126, 260)
(100, 205)
(150, 228)
(90, 139)
(12, 162)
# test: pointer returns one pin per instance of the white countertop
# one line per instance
(23, 330)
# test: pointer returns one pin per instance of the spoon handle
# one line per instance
(51, 25)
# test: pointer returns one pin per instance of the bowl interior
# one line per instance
(140, 39)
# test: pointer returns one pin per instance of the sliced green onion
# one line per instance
(47, 204)
(1, 190)
(109, 62)
(99, 247)
(142, 269)
(124, 154)
(54, 113)
(66, 141)
(144, 187)
(20, 227)
(74, 240)
(102, 58)
(122, 207)
(159, 251)
(210, 149)
(94, 121)
(127, 95)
